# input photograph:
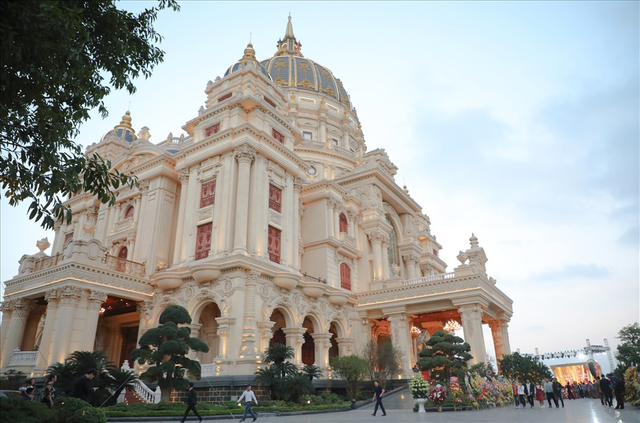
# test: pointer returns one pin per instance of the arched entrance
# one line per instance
(278, 337)
(334, 350)
(309, 346)
(209, 332)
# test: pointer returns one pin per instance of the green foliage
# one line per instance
(383, 361)
(282, 377)
(12, 380)
(352, 370)
(109, 381)
(166, 348)
(443, 355)
(521, 367)
(52, 78)
(629, 347)
(19, 410)
(65, 408)
(312, 372)
(483, 369)
(88, 415)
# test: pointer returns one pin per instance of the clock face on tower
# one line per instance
(312, 171)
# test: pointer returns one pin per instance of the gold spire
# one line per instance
(126, 121)
(289, 45)
(289, 32)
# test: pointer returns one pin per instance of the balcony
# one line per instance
(23, 359)
(121, 265)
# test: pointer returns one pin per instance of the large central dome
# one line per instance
(289, 68)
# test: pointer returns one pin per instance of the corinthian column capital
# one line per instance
(245, 153)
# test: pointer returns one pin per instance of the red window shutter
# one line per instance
(208, 193)
(344, 223)
(67, 237)
(203, 241)
(277, 135)
(345, 276)
(274, 244)
(213, 129)
(275, 198)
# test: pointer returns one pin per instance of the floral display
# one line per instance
(456, 391)
(632, 386)
(419, 387)
(437, 395)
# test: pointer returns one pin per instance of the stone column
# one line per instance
(19, 313)
(47, 333)
(346, 346)
(323, 130)
(376, 239)
(322, 342)
(297, 186)
(5, 308)
(471, 316)
(224, 326)
(401, 338)
(385, 257)
(248, 350)
(195, 333)
(245, 155)
(96, 298)
(179, 246)
(69, 297)
(336, 222)
(496, 333)
(330, 224)
(506, 345)
(266, 333)
(295, 339)
(410, 261)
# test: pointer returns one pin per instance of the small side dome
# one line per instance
(248, 59)
(123, 131)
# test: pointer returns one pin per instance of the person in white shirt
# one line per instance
(250, 397)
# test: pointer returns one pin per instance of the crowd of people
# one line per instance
(82, 388)
(602, 387)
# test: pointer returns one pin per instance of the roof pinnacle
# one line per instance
(289, 31)
(289, 45)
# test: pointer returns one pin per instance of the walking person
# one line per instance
(530, 391)
(548, 389)
(540, 395)
(377, 397)
(192, 400)
(521, 394)
(250, 398)
(514, 387)
(599, 393)
(557, 391)
(83, 387)
(605, 386)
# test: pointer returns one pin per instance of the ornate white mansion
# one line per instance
(269, 221)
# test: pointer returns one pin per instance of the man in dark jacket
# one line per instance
(620, 391)
(530, 391)
(192, 400)
(557, 391)
(83, 387)
(605, 387)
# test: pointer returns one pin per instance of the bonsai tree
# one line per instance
(444, 354)
(166, 348)
(352, 370)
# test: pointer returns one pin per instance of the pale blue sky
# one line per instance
(517, 121)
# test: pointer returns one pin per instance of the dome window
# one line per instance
(307, 135)
(277, 135)
(128, 214)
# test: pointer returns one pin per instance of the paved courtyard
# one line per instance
(399, 410)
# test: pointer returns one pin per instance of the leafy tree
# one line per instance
(166, 348)
(444, 354)
(12, 379)
(352, 370)
(312, 372)
(483, 369)
(629, 347)
(109, 381)
(383, 360)
(280, 375)
(55, 58)
(522, 367)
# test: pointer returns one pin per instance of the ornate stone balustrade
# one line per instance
(430, 278)
(23, 359)
(121, 265)
(208, 370)
(46, 262)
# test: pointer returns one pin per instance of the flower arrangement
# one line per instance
(632, 384)
(437, 395)
(419, 387)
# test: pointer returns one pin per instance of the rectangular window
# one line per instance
(207, 193)
(213, 129)
(203, 240)
(275, 198)
(67, 237)
(268, 100)
(435, 252)
(224, 97)
(274, 244)
(307, 135)
(277, 135)
(335, 142)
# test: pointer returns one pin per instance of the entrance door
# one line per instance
(129, 343)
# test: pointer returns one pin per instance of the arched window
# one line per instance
(129, 212)
(392, 248)
(344, 223)
(121, 265)
(123, 253)
(345, 276)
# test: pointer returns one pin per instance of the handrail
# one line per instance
(124, 266)
(324, 281)
(145, 393)
(430, 278)
(46, 262)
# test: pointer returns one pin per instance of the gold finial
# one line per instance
(249, 53)
(289, 31)
(126, 121)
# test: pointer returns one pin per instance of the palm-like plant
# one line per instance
(279, 369)
(312, 372)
